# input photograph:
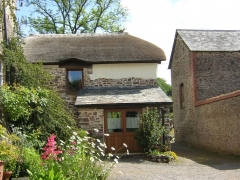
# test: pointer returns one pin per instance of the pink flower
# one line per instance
(50, 149)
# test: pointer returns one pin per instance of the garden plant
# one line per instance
(81, 157)
(150, 136)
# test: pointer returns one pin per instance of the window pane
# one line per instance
(74, 80)
(132, 121)
(114, 122)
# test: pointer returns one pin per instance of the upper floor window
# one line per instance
(74, 80)
(181, 95)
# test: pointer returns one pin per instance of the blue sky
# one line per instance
(157, 20)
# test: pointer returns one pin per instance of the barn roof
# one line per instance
(208, 40)
(91, 48)
(211, 40)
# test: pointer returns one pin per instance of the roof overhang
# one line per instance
(122, 96)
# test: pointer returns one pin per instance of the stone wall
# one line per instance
(213, 126)
(181, 73)
(217, 126)
(217, 73)
(90, 118)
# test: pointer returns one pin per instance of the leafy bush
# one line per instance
(150, 134)
(33, 108)
(28, 159)
(9, 151)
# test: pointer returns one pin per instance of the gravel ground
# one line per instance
(191, 164)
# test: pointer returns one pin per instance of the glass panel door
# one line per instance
(114, 122)
(132, 121)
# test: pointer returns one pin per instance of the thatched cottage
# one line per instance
(206, 89)
(107, 79)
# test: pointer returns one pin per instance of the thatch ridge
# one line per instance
(91, 48)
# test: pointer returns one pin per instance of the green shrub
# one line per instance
(33, 108)
(151, 132)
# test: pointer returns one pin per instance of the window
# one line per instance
(74, 81)
(122, 120)
(181, 95)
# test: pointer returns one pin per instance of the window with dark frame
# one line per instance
(74, 80)
(181, 95)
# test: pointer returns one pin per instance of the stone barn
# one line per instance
(206, 89)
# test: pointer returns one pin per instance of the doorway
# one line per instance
(121, 125)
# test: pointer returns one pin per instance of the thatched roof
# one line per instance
(116, 96)
(91, 48)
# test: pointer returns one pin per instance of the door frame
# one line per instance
(124, 133)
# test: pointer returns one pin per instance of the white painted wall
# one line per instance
(118, 71)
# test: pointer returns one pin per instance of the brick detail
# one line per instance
(218, 98)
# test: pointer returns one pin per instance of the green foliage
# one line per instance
(167, 88)
(20, 102)
(22, 72)
(172, 156)
(32, 139)
(164, 86)
(150, 134)
(9, 152)
(28, 159)
(81, 157)
(31, 103)
(53, 172)
(76, 16)
(31, 108)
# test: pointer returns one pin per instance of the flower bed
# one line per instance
(161, 157)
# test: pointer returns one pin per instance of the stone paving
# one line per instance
(192, 164)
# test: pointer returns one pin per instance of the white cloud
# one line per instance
(157, 20)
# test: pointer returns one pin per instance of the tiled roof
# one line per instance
(91, 48)
(121, 95)
(211, 40)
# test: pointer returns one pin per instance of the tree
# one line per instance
(76, 16)
(164, 86)
(167, 88)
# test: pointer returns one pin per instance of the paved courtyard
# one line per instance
(192, 164)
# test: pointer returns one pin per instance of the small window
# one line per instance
(181, 95)
(74, 80)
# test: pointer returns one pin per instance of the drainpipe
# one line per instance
(6, 40)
